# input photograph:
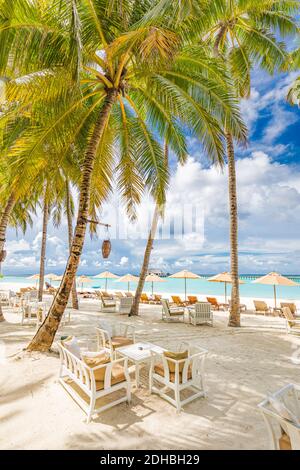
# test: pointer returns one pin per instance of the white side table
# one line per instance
(139, 353)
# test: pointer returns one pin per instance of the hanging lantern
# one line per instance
(106, 245)
(2, 255)
(106, 248)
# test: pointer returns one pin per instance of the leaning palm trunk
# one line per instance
(149, 246)
(3, 226)
(43, 246)
(44, 337)
(70, 236)
(145, 266)
(234, 318)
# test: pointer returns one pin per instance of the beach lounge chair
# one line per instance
(145, 299)
(290, 305)
(177, 372)
(192, 299)
(281, 414)
(177, 301)
(215, 304)
(96, 375)
(201, 313)
(107, 304)
(124, 305)
(115, 336)
(128, 294)
(171, 313)
(118, 295)
(261, 307)
(292, 325)
(157, 298)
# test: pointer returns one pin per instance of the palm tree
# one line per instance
(120, 81)
(242, 33)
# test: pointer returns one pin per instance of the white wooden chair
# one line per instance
(7, 297)
(107, 304)
(33, 312)
(115, 336)
(280, 428)
(116, 377)
(292, 324)
(201, 313)
(124, 305)
(178, 375)
(171, 313)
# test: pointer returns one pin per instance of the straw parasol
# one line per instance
(275, 279)
(82, 279)
(128, 278)
(57, 278)
(34, 277)
(185, 274)
(106, 275)
(226, 279)
(51, 277)
(153, 278)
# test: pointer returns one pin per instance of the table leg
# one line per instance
(137, 374)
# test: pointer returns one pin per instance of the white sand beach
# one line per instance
(243, 365)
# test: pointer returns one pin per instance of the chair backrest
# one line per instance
(260, 305)
(128, 294)
(288, 314)
(165, 306)
(176, 299)
(125, 304)
(212, 300)
(203, 309)
(289, 396)
(144, 297)
(157, 297)
(192, 299)
(290, 305)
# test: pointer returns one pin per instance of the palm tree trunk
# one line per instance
(148, 249)
(44, 337)
(70, 236)
(3, 226)
(43, 245)
(145, 266)
(234, 317)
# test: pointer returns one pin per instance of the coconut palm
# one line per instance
(108, 88)
(242, 33)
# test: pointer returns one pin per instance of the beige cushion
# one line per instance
(284, 441)
(98, 360)
(159, 369)
(118, 341)
(177, 357)
(71, 344)
(117, 376)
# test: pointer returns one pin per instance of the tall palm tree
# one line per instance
(120, 81)
(242, 33)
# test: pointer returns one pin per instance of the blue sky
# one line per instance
(195, 231)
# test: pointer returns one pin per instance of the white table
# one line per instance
(139, 353)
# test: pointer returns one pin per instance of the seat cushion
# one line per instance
(118, 341)
(176, 312)
(100, 359)
(177, 356)
(117, 376)
(284, 441)
(159, 369)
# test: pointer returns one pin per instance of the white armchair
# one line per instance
(281, 413)
(115, 336)
(178, 372)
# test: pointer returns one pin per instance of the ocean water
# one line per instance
(194, 286)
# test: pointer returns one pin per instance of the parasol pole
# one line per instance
(152, 287)
(225, 292)
(275, 295)
(185, 288)
(106, 284)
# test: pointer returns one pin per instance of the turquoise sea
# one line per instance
(198, 286)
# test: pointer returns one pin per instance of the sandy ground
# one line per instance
(242, 366)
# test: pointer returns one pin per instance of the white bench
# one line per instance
(73, 369)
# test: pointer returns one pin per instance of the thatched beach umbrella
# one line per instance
(128, 278)
(82, 279)
(153, 278)
(226, 279)
(106, 275)
(275, 279)
(34, 277)
(185, 274)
